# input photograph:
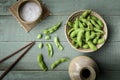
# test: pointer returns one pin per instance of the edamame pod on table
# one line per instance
(57, 43)
(52, 29)
(100, 23)
(40, 45)
(47, 37)
(39, 36)
(50, 49)
(57, 62)
(41, 62)
(91, 45)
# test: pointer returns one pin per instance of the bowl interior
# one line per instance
(72, 18)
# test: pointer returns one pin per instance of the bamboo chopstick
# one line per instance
(7, 57)
(16, 61)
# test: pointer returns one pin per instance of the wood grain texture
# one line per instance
(105, 58)
(55, 75)
(12, 37)
(65, 7)
(10, 30)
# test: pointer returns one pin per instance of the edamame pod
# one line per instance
(40, 45)
(94, 23)
(70, 31)
(39, 36)
(74, 33)
(92, 35)
(41, 62)
(85, 14)
(93, 17)
(59, 61)
(52, 29)
(97, 30)
(57, 43)
(79, 37)
(81, 25)
(87, 35)
(99, 22)
(47, 37)
(85, 46)
(50, 49)
(91, 45)
(76, 23)
(96, 39)
(69, 24)
(100, 41)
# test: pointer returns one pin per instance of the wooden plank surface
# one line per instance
(65, 7)
(12, 37)
(10, 30)
(55, 75)
(106, 59)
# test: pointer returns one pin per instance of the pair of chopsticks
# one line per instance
(29, 46)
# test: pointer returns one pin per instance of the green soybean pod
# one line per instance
(81, 25)
(69, 24)
(97, 30)
(95, 40)
(86, 13)
(57, 43)
(40, 45)
(85, 46)
(70, 31)
(100, 41)
(95, 24)
(79, 37)
(87, 35)
(41, 62)
(74, 33)
(76, 45)
(57, 62)
(100, 22)
(91, 45)
(47, 37)
(92, 35)
(76, 23)
(50, 49)
(39, 36)
(93, 17)
(52, 29)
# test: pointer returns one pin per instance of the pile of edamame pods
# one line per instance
(86, 31)
(49, 46)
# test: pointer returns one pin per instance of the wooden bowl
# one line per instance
(72, 17)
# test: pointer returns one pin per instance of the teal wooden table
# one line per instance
(12, 37)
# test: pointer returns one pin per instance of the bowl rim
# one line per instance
(104, 29)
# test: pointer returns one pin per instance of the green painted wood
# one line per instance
(55, 75)
(107, 57)
(12, 37)
(10, 30)
(65, 7)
